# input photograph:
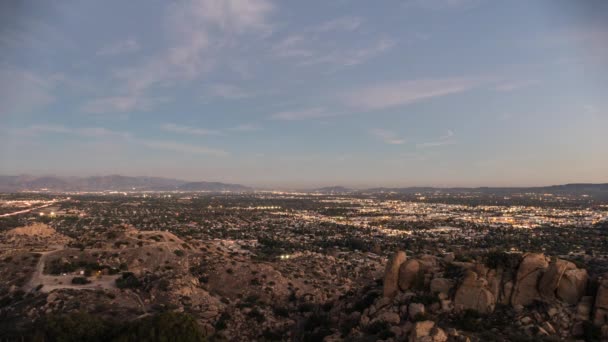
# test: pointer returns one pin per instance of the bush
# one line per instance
(501, 259)
(75, 327)
(80, 281)
(168, 326)
(128, 281)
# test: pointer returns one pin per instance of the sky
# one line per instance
(297, 93)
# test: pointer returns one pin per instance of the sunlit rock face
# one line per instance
(391, 274)
(530, 270)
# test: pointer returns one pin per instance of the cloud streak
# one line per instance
(169, 127)
(388, 137)
(304, 114)
(181, 147)
(444, 140)
(125, 137)
(122, 47)
(323, 45)
(396, 94)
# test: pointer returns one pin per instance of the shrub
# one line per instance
(80, 281)
(127, 281)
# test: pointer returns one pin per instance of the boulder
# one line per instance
(563, 280)
(449, 257)
(441, 285)
(601, 302)
(583, 309)
(572, 286)
(530, 270)
(408, 272)
(391, 318)
(415, 309)
(473, 294)
(438, 335)
(507, 292)
(550, 279)
(391, 274)
(421, 330)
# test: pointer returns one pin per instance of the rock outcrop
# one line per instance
(391, 274)
(473, 295)
(441, 285)
(530, 270)
(408, 272)
(563, 280)
(601, 302)
(427, 331)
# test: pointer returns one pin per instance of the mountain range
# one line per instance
(110, 183)
(127, 183)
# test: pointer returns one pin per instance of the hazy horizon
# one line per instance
(309, 186)
(292, 94)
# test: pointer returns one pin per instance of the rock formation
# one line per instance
(530, 270)
(391, 274)
(601, 302)
(473, 294)
(408, 273)
(563, 280)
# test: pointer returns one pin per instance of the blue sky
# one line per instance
(307, 93)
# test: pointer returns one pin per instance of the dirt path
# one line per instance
(54, 282)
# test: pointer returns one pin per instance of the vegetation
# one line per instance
(168, 326)
(128, 281)
(80, 281)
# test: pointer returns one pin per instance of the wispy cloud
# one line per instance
(248, 127)
(389, 137)
(515, 85)
(446, 139)
(227, 92)
(402, 93)
(303, 114)
(169, 127)
(122, 104)
(441, 4)
(350, 56)
(124, 137)
(22, 91)
(89, 132)
(197, 30)
(181, 147)
(126, 46)
(323, 44)
(339, 24)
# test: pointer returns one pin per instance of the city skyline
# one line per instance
(290, 95)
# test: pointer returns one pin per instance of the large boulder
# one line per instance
(415, 309)
(473, 294)
(572, 286)
(550, 279)
(408, 272)
(601, 302)
(441, 285)
(530, 270)
(583, 309)
(427, 331)
(563, 280)
(421, 330)
(391, 274)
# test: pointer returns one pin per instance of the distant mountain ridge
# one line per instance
(110, 183)
(334, 189)
(128, 183)
(554, 189)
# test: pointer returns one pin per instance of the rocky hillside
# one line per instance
(501, 297)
